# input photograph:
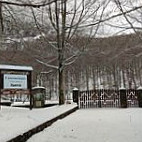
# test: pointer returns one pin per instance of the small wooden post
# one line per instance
(99, 99)
(123, 98)
(139, 92)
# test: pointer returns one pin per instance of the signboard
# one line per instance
(13, 91)
(12, 81)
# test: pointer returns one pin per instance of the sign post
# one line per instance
(30, 89)
(16, 78)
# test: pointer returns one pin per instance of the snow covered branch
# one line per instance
(47, 65)
(71, 59)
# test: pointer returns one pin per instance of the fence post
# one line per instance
(75, 95)
(99, 99)
(123, 98)
(139, 91)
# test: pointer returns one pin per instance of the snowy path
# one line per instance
(16, 121)
(95, 125)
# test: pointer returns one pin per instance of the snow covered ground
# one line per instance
(16, 121)
(95, 125)
(47, 102)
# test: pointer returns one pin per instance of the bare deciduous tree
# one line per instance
(68, 21)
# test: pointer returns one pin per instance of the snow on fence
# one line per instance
(107, 98)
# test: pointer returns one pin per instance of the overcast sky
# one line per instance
(114, 26)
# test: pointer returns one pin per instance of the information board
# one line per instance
(12, 81)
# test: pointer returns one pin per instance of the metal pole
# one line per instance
(30, 90)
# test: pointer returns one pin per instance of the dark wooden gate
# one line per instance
(105, 98)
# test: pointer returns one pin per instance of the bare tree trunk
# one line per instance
(115, 76)
(61, 88)
(87, 78)
(94, 78)
(1, 18)
(138, 71)
(123, 78)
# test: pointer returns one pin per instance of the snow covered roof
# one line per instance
(139, 88)
(75, 89)
(122, 88)
(15, 67)
(38, 87)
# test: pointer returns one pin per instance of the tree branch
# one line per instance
(107, 19)
(47, 65)
(28, 4)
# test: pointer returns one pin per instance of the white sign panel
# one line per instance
(12, 81)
